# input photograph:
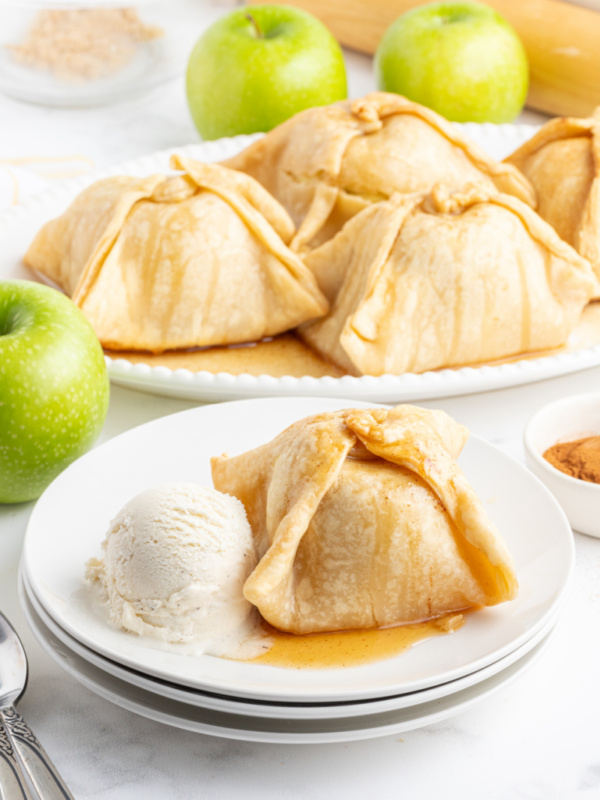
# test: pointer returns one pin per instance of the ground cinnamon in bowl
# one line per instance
(579, 459)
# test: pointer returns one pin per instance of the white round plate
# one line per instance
(257, 708)
(19, 225)
(69, 521)
(260, 729)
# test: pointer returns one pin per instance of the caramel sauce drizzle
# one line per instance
(288, 355)
(350, 648)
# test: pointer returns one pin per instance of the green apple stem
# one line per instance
(257, 31)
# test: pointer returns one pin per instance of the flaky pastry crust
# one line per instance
(328, 163)
(562, 162)
(192, 260)
(445, 279)
(363, 518)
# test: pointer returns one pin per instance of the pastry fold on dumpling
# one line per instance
(427, 281)
(562, 161)
(185, 261)
(362, 519)
(327, 163)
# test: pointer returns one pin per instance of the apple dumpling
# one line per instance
(363, 519)
(327, 163)
(562, 161)
(445, 279)
(191, 260)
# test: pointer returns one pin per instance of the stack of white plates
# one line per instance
(435, 679)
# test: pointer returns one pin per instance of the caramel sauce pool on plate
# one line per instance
(286, 354)
(349, 648)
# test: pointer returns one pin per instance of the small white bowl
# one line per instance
(145, 64)
(566, 420)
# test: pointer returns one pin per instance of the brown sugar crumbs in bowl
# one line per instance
(78, 45)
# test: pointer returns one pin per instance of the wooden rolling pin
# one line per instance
(562, 43)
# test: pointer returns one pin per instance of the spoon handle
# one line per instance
(12, 783)
(41, 771)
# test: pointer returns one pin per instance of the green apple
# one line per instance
(53, 387)
(255, 68)
(463, 60)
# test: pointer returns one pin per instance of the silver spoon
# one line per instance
(18, 745)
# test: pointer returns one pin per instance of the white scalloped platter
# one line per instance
(19, 224)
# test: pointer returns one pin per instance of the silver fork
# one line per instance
(18, 745)
(12, 782)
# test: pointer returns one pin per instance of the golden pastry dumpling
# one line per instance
(562, 161)
(363, 518)
(427, 281)
(327, 163)
(186, 261)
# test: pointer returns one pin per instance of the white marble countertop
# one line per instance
(535, 740)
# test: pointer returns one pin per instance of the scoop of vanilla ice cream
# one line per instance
(175, 560)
